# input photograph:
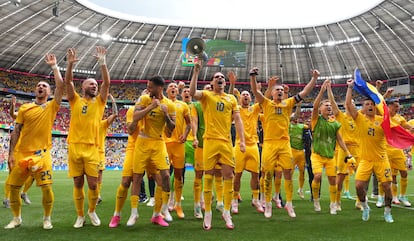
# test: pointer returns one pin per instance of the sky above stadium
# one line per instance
(234, 13)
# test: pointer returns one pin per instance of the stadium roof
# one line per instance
(380, 42)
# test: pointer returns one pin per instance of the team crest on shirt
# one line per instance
(376, 123)
(227, 98)
(283, 103)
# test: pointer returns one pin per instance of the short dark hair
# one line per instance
(365, 98)
(392, 101)
(157, 80)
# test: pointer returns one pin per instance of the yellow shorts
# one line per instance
(276, 153)
(397, 160)
(83, 159)
(102, 161)
(127, 168)
(150, 153)
(198, 158)
(319, 162)
(21, 172)
(340, 160)
(217, 152)
(298, 158)
(381, 169)
(176, 153)
(249, 160)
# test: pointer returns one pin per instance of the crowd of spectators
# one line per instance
(125, 93)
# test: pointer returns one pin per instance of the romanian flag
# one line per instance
(396, 136)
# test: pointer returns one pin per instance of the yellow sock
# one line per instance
(268, 186)
(346, 183)
(27, 184)
(78, 198)
(47, 200)
(121, 195)
(6, 190)
(208, 186)
(15, 201)
(99, 188)
(178, 190)
(404, 184)
(338, 195)
(278, 184)
(228, 193)
(332, 193)
(380, 190)
(289, 190)
(219, 188)
(158, 197)
(197, 190)
(134, 201)
(315, 190)
(165, 199)
(92, 199)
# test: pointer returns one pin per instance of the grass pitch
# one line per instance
(249, 225)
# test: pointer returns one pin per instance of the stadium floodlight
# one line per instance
(106, 37)
(16, 2)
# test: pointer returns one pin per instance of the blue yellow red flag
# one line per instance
(396, 136)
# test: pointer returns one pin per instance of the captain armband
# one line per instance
(298, 98)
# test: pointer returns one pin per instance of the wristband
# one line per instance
(54, 67)
(102, 61)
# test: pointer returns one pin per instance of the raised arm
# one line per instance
(106, 80)
(70, 87)
(297, 110)
(348, 99)
(12, 110)
(270, 84)
(331, 97)
(316, 102)
(232, 80)
(114, 114)
(309, 87)
(194, 126)
(196, 94)
(51, 60)
(388, 93)
(253, 85)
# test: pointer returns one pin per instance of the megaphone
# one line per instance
(196, 46)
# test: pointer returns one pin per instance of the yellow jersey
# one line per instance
(37, 121)
(181, 110)
(276, 118)
(85, 118)
(218, 113)
(153, 123)
(348, 130)
(250, 117)
(131, 138)
(371, 138)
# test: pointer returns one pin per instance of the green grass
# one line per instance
(249, 225)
